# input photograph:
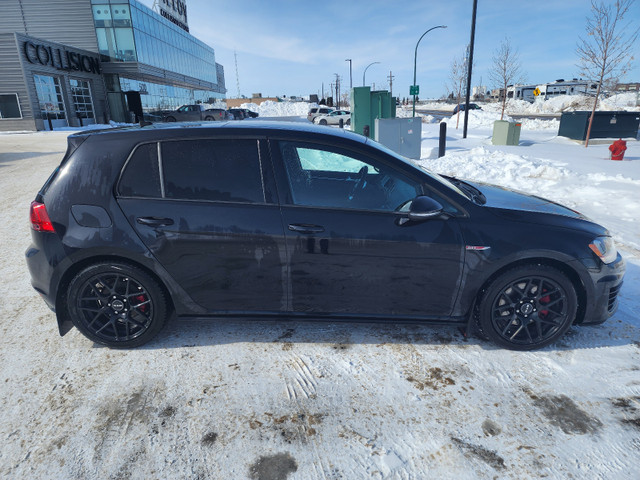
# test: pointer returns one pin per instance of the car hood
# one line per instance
(504, 198)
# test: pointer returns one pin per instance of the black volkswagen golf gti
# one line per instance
(267, 220)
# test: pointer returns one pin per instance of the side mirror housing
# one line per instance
(423, 208)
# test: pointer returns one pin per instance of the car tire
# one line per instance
(171, 119)
(528, 307)
(116, 304)
(322, 121)
(209, 119)
(348, 122)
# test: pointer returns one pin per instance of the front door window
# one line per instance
(324, 177)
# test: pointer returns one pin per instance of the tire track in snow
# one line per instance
(301, 381)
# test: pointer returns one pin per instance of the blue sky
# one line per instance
(288, 47)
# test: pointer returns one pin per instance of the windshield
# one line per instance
(438, 178)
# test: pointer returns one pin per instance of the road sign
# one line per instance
(414, 90)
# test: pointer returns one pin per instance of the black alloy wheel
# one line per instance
(116, 305)
(528, 307)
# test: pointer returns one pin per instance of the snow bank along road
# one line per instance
(232, 399)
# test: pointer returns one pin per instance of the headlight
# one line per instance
(604, 248)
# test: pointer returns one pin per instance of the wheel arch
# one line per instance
(568, 270)
(62, 314)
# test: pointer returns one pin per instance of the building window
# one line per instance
(81, 95)
(50, 97)
(9, 106)
(114, 32)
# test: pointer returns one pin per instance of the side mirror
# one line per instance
(423, 208)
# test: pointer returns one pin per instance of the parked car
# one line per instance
(265, 219)
(236, 114)
(195, 113)
(250, 113)
(334, 118)
(472, 106)
(315, 111)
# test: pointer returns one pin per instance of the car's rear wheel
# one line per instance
(209, 119)
(528, 307)
(117, 305)
(171, 119)
(349, 122)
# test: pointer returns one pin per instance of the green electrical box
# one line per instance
(506, 133)
(366, 106)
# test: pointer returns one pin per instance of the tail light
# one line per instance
(40, 220)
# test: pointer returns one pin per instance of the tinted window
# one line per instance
(328, 177)
(141, 177)
(218, 170)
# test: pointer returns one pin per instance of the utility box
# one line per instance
(506, 133)
(609, 124)
(402, 135)
(366, 106)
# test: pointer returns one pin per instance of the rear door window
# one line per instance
(226, 170)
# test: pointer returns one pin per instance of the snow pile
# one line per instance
(565, 103)
(280, 109)
(540, 124)
(629, 101)
(593, 188)
(497, 167)
(477, 119)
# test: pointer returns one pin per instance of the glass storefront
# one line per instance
(51, 102)
(130, 32)
(82, 101)
(156, 98)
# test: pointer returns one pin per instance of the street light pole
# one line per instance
(415, 62)
(365, 72)
(350, 75)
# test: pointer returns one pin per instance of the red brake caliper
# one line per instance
(544, 300)
(142, 299)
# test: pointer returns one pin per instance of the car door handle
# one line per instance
(305, 228)
(154, 221)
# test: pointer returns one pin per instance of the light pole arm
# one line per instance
(415, 63)
(365, 72)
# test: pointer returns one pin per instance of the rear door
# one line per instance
(206, 211)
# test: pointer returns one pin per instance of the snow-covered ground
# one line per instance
(234, 399)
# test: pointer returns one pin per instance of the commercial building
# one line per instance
(75, 62)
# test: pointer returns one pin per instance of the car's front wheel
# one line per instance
(528, 307)
(322, 121)
(117, 305)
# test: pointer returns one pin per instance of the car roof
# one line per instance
(163, 130)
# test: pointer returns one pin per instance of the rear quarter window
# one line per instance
(141, 176)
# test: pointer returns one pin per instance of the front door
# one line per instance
(348, 251)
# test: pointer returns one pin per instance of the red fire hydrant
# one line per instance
(617, 149)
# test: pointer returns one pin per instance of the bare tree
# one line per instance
(606, 52)
(458, 80)
(505, 69)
